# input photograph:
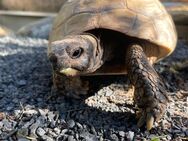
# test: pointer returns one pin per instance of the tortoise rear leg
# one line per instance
(70, 86)
(150, 93)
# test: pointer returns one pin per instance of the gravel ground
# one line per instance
(29, 112)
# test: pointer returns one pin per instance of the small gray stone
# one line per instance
(29, 107)
(169, 138)
(39, 100)
(43, 112)
(79, 125)
(114, 137)
(51, 116)
(33, 129)
(17, 112)
(64, 131)
(21, 83)
(1, 125)
(15, 100)
(121, 133)
(109, 92)
(77, 136)
(22, 132)
(23, 139)
(88, 137)
(177, 131)
(41, 132)
(7, 125)
(47, 138)
(9, 108)
(52, 134)
(52, 124)
(130, 136)
(71, 138)
(93, 131)
(186, 132)
(28, 124)
(30, 112)
(70, 123)
(57, 130)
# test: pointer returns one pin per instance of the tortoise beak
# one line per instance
(69, 72)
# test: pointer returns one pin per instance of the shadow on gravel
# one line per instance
(25, 87)
(24, 91)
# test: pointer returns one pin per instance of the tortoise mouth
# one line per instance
(69, 72)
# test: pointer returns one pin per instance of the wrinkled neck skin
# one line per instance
(98, 54)
(103, 51)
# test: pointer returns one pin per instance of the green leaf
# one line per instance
(155, 139)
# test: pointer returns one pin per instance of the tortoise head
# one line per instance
(76, 55)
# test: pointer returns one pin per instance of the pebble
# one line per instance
(57, 130)
(87, 136)
(51, 116)
(79, 125)
(21, 83)
(7, 125)
(30, 112)
(109, 92)
(71, 138)
(23, 132)
(186, 132)
(41, 132)
(169, 138)
(93, 131)
(33, 129)
(43, 112)
(47, 138)
(64, 131)
(122, 133)
(52, 134)
(114, 137)
(15, 100)
(28, 124)
(23, 139)
(130, 136)
(9, 108)
(70, 123)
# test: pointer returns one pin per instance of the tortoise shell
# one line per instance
(145, 20)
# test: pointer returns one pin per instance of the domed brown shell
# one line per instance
(144, 19)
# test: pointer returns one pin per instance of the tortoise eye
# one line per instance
(76, 53)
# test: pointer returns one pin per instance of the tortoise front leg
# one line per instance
(70, 86)
(150, 93)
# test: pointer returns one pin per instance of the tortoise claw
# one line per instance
(147, 118)
(150, 93)
(149, 121)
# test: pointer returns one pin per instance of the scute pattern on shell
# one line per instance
(146, 19)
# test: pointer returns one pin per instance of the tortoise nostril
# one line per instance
(53, 58)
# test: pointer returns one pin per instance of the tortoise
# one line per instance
(113, 37)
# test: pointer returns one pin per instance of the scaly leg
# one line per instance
(150, 93)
